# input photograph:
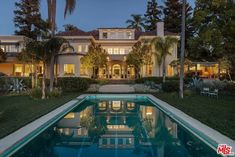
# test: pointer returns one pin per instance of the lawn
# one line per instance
(16, 111)
(218, 114)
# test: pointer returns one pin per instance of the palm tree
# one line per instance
(53, 47)
(51, 4)
(69, 8)
(181, 90)
(162, 47)
(137, 22)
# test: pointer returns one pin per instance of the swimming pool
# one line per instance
(117, 125)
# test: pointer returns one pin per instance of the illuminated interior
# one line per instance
(116, 105)
(70, 115)
(69, 69)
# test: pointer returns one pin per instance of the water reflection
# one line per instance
(116, 128)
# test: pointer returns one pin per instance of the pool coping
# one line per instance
(12, 139)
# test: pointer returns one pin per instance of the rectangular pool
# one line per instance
(119, 127)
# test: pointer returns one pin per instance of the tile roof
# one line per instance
(95, 33)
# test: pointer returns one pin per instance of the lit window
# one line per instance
(110, 51)
(69, 69)
(149, 110)
(79, 48)
(129, 35)
(86, 48)
(116, 105)
(105, 35)
(115, 51)
(3, 49)
(122, 51)
(71, 115)
(18, 68)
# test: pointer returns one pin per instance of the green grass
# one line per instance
(16, 111)
(218, 114)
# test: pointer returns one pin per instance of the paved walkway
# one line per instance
(116, 88)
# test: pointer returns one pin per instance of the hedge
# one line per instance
(4, 81)
(170, 86)
(158, 80)
(73, 84)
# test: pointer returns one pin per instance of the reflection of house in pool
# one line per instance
(118, 134)
(70, 130)
(120, 118)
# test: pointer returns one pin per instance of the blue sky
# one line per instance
(89, 14)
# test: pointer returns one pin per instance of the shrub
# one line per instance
(229, 88)
(73, 84)
(170, 86)
(57, 92)
(156, 80)
(5, 82)
(35, 93)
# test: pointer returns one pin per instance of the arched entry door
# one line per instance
(116, 71)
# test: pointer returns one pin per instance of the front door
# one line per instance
(116, 71)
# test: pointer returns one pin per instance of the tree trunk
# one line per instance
(44, 82)
(159, 71)
(181, 85)
(219, 71)
(164, 70)
(52, 72)
(53, 17)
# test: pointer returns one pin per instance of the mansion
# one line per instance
(117, 42)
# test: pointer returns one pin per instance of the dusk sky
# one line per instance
(89, 14)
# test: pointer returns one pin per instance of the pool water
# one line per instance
(116, 128)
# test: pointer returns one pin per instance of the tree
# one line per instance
(182, 48)
(69, 8)
(172, 15)
(135, 58)
(38, 49)
(163, 46)
(69, 27)
(95, 58)
(3, 56)
(152, 15)
(53, 46)
(137, 22)
(51, 4)
(28, 18)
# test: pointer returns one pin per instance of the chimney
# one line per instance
(160, 29)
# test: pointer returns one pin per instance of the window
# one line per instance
(79, 48)
(110, 51)
(86, 48)
(105, 35)
(122, 51)
(115, 51)
(129, 35)
(18, 69)
(69, 69)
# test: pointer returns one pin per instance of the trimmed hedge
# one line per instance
(73, 84)
(158, 80)
(170, 86)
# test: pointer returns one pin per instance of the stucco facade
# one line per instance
(117, 42)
